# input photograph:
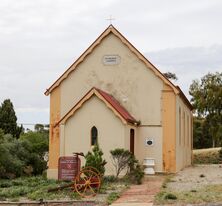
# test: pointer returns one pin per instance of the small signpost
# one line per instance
(69, 166)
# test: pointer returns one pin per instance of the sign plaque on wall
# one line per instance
(111, 59)
(68, 167)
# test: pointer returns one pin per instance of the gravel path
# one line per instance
(196, 177)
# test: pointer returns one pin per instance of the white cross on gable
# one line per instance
(110, 19)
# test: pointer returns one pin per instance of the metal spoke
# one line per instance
(92, 189)
(85, 189)
(94, 183)
(79, 184)
(90, 176)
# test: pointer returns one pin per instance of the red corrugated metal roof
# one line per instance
(117, 106)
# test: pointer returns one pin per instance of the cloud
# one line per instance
(188, 63)
(30, 116)
(40, 39)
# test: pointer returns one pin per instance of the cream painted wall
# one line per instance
(183, 147)
(136, 87)
(155, 151)
(76, 132)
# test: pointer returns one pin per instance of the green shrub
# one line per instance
(39, 141)
(112, 197)
(17, 182)
(12, 162)
(21, 156)
(95, 159)
(5, 184)
(125, 160)
(109, 178)
(122, 160)
(170, 196)
(136, 174)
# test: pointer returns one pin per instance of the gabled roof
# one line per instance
(113, 30)
(110, 102)
(183, 97)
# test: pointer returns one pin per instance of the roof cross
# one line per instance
(110, 19)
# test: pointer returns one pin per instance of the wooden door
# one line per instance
(132, 140)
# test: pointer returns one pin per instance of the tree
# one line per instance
(95, 159)
(39, 127)
(39, 142)
(8, 119)
(201, 134)
(207, 101)
(23, 156)
(170, 75)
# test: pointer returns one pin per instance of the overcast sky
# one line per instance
(39, 39)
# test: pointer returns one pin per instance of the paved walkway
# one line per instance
(141, 195)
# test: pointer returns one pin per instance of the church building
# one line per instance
(113, 95)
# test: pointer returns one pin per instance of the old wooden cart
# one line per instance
(86, 181)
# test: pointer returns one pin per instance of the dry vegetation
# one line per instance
(207, 156)
(201, 183)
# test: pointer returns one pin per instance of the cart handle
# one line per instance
(79, 153)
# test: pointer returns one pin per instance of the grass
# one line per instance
(36, 188)
(206, 156)
(208, 194)
(112, 197)
(33, 188)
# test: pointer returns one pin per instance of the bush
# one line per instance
(20, 157)
(112, 197)
(124, 159)
(109, 178)
(136, 174)
(95, 159)
(121, 159)
(39, 141)
(170, 196)
(11, 162)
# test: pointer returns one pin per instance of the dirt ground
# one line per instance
(196, 177)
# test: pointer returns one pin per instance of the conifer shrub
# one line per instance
(95, 159)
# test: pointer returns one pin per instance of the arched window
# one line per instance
(94, 135)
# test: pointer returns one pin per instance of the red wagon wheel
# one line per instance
(87, 183)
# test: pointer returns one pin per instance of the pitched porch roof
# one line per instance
(110, 102)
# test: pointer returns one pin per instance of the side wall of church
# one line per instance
(169, 129)
(184, 134)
